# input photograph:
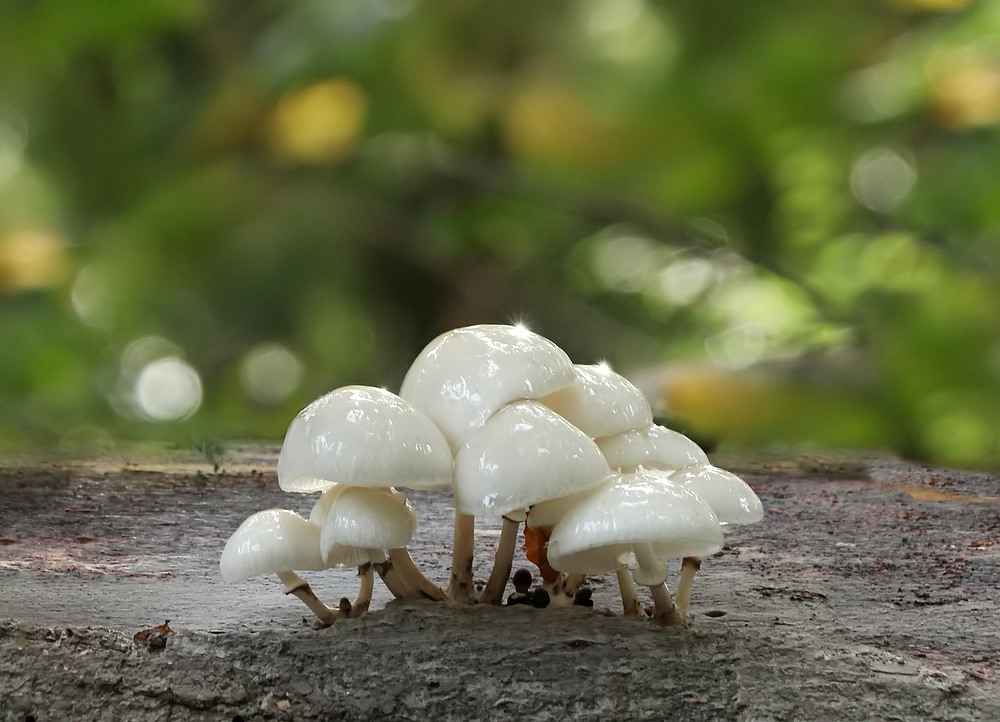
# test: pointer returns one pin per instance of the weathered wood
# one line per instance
(870, 590)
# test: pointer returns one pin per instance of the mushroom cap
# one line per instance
(361, 518)
(652, 447)
(524, 454)
(363, 436)
(342, 556)
(601, 402)
(598, 534)
(731, 498)
(464, 376)
(271, 541)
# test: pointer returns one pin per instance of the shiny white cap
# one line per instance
(271, 541)
(731, 498)
(359, 518)
(363, 436)
(598, 534)
(653, 447)
(601, 402)
(464, 376)
(524, 454)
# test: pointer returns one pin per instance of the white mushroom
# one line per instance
(277, 541)
(464, 376)
(345, 556)
(601, 402)
(662, 448)
(362, 436)
(732, 500)
(523, 455)
(641, 516)
(371, 521)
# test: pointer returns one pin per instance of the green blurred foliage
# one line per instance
(781, 220)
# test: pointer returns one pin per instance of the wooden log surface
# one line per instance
(869, 591)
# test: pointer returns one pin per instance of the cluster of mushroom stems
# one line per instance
(504, 418)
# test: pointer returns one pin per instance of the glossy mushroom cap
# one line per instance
(464, 376)
(652, 447)
(731, 498)
(599, 534)
(601, 402)
(524, 454)
(268, 542)
(362, 518)
(363, 436)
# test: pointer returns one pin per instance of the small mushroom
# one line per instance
(662, 448)
(641, 516)
(372, 520)
(277, 541)
(366, 437)
(732, 500)
(463, 377)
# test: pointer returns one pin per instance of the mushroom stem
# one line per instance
(461, 588)
(502, 562)
(689, 567)
(394, 579)
(630, 600)
(364, 598)
(571, 583)
(419, 586)
(650, 571)
(665, 613)
(294, 584)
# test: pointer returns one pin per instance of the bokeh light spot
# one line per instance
(881, 179)
(623, 262)
(685, 280)
(168, 389)
(270, 373)
(737, 347)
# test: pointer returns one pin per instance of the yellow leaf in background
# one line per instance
(319, 124)
(549, 122)
(968, 96)
(32, 258)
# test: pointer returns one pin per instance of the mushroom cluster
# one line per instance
(520, 433)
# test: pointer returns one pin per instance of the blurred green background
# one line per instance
(781, 219)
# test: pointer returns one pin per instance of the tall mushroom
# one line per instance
(641, 516)
(362, 436)
(524, 454)
(277, 541)
(463, 377)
